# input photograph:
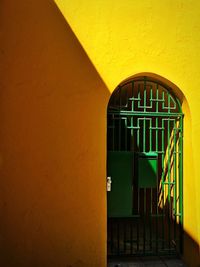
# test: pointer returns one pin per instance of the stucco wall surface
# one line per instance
(124, 38)
(55, 85)
(52, 195)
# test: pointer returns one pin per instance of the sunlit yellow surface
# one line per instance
(124, 38)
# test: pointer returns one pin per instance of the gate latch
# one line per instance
(109, 181)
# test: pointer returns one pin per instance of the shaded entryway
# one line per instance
(144, 163)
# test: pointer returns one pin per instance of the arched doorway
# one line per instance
(145, 169)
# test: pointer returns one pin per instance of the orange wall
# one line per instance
(52, 165)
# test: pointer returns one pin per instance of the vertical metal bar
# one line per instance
(144, 149)
(124, 223)
(169, 104)
(127, 99)
(181, 183)
(132, 135)
(157, 149)
(131, 235)
(151, 198)
(139, 218)
(157, 232)
(169, 181)
(150, 241)
(144, 221)
(119, 140)
(113, 132)
(144, 134)
(151, 98)
(150, 134)
(145, 96)
(138, 189)
(163, 100)
(144, 122)
(157, 184)
(132, 101)
(125, 125)
(162, 182)
(120, 99)
(156, 134)
(132, 121)
(138, 134)
(120, 106)
(111, 235)
(157, 97)
(175, 181)
(139, 96)
(118, 236)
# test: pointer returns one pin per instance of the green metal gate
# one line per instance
(145, 163)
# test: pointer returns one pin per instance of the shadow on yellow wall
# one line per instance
(191, 251)
(52, 142)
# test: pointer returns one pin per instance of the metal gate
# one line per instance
(145, 168)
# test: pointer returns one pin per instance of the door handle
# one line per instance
(109, 181)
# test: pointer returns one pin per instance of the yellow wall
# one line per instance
(124, 38)
(52, 194)
(53, 102)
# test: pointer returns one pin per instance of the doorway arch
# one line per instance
(144, 169)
